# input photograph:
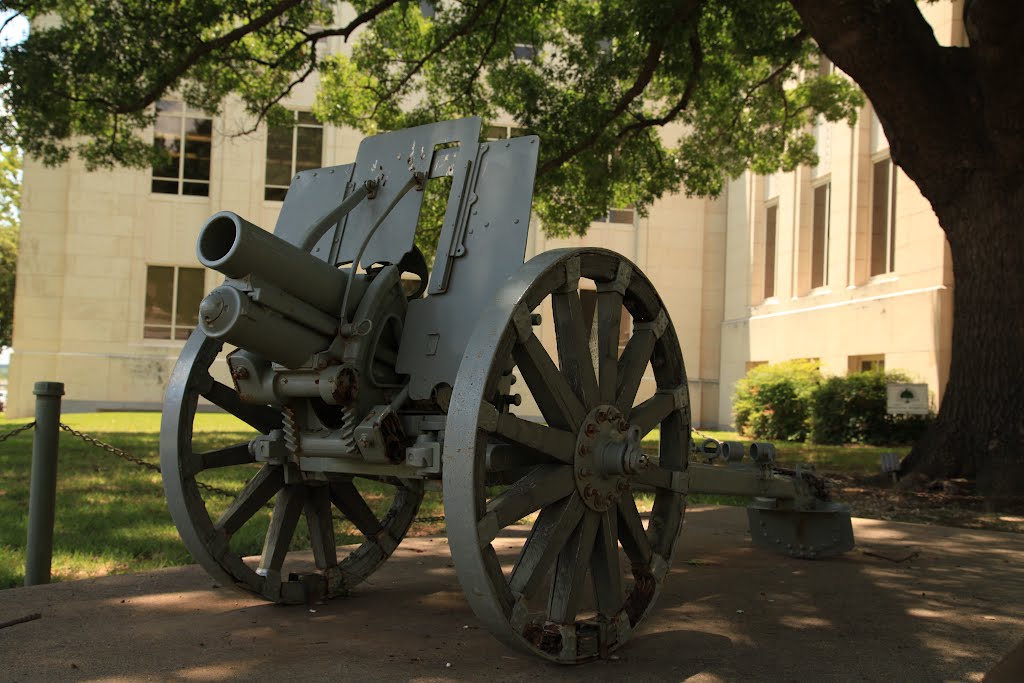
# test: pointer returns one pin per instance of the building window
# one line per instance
(871, 363)
(883, 217)
(820, 235)
(172, 301)
(184, 136)
(524, 51)
(770, 237)
(290, 149)
(491, 133)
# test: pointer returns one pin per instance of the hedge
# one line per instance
(852, 409)
(774, 401)
(792, 401)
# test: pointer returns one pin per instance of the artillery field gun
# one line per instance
(368, 377)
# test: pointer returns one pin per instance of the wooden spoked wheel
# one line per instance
(274, 494)
(545, 518)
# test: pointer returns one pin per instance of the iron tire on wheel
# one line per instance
(581, 468)
(208, 539)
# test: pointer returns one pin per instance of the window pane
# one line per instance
(168, 106)
(309, 149)
(196, 189)
(182, 333)
(279, 156)
(819, 236)
(159, 284)
(190, 293)
(165, 186)
(275, 194)
(168, 140)
(879, 215)
(156, 332)
(307, 118)
(495, 132)
(198, 134)
(769, 252)
(620, 216)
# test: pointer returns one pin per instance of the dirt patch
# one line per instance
(946, 502)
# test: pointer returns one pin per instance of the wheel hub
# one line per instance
(608, 455)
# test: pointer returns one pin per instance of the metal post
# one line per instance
(43, 488)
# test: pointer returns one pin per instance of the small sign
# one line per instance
(907, 399)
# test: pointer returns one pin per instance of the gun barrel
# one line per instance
(235, 247)
(227, 313)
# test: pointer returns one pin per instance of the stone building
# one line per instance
(843, 262)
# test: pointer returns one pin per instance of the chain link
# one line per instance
(124, 455)
(16, 431)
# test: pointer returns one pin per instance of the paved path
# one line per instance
(728, 613)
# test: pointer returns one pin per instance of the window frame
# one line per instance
(769, 293)
(296, 125)
(174, 326)
(182, 115)
(889, 259)
(826, 184)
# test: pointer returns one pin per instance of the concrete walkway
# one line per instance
(728, 613)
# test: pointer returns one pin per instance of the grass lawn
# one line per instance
(849, 458)
(111, 515)
(112, 518)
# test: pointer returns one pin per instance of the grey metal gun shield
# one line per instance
(493, 248)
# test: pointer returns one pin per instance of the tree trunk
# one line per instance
(979, 431)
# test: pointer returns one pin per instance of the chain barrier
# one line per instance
(16, 431)
(124, 455)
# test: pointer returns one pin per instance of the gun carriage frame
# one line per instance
(355, 364)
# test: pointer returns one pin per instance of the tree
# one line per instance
(601, 82)
(10, 196)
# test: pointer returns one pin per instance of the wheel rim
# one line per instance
(208, 533)
(578, 471)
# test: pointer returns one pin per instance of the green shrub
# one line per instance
(774, 401)
(852, 409)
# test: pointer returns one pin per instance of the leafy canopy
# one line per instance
(632, 98)
(10, 196)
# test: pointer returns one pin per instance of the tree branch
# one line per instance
(461, 30)
(684, 100)
(640, 83)
(917, 87)
(206, 48)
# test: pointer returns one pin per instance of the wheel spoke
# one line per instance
(605, 569)
(609, 322)
(542, 487)
(346, 497)
(632, 366)
(572, 338)
(259, 417)
(225, 457)
(287, 510)
(549, 535)
(502, 457)
(567, 588)
(651, 412)
(555, 398)
(321, 527)
(257, 493)
(554, 442)
(631, 532)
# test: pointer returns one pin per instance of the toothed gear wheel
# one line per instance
(292, 432)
